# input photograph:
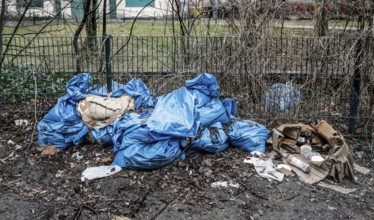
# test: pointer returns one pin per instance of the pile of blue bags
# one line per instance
(161, 130)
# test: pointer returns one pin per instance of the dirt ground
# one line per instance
(35, 186)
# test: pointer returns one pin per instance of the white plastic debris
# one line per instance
(284, 166)
(18, 147)
(265, 168)
(332, 208)
(317, 158)
(224, 184)
(92, 173)
(21, 122)
(10, 142)
(77, 155)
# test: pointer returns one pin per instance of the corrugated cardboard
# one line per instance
(339, 160)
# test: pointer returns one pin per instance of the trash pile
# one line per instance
(149, 132)
(313, 151)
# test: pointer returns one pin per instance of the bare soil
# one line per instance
(35, 186)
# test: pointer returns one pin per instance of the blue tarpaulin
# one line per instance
(156, 133)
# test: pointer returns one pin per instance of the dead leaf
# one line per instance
(73, 165)
(106, 159)
(208, 162)
(49, 150)
(274, 202)
(120, 218)
(59, 173)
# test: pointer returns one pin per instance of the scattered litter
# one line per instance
(77, 155)
(225, 184)
(99, 172)
(330, 155)
(18, 147)
(332, 208)
(281, 97)
(265, 168)
(360, 169)
(21, 122)
(337, 188)
(10, 142)
(295, 161)
(285, 169)
(316, 159)
(306, 151)
(284, 166)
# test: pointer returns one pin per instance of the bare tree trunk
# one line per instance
(321, 18)
(78, 57)
(2, 23)
(91, 27)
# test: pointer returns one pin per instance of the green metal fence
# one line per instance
(335, 75)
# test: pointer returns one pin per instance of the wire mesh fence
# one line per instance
(35, 71)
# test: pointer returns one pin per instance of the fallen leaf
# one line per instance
(49, 150)
(208, 162)
(73, 165)
(59, 173)
(120, 218)
(106, 159)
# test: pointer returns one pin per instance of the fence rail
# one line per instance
(323, 69)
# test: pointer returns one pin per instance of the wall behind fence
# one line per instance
(321, 68)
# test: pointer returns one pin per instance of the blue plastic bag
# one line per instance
(248, 135)
(62, 126)
(212, 112)
(174, 115)
(134, 88)
(230, 106)
(205, 83)
(149, 156)
(212, 139)
(281, 97)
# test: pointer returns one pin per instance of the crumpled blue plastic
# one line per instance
(149, 156)
(230, 106)
(281, 97)
(62, 126)
(175, 115)
(134, 88)
(157, 135)
(212, 112)
(213, 142)
(248, 135)
(205, 83)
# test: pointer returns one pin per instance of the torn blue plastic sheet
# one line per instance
(281, 97)
(248, 135)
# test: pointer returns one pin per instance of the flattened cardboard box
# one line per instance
(339, 160)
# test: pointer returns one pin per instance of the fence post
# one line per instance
(355, 93)
(109, 75)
